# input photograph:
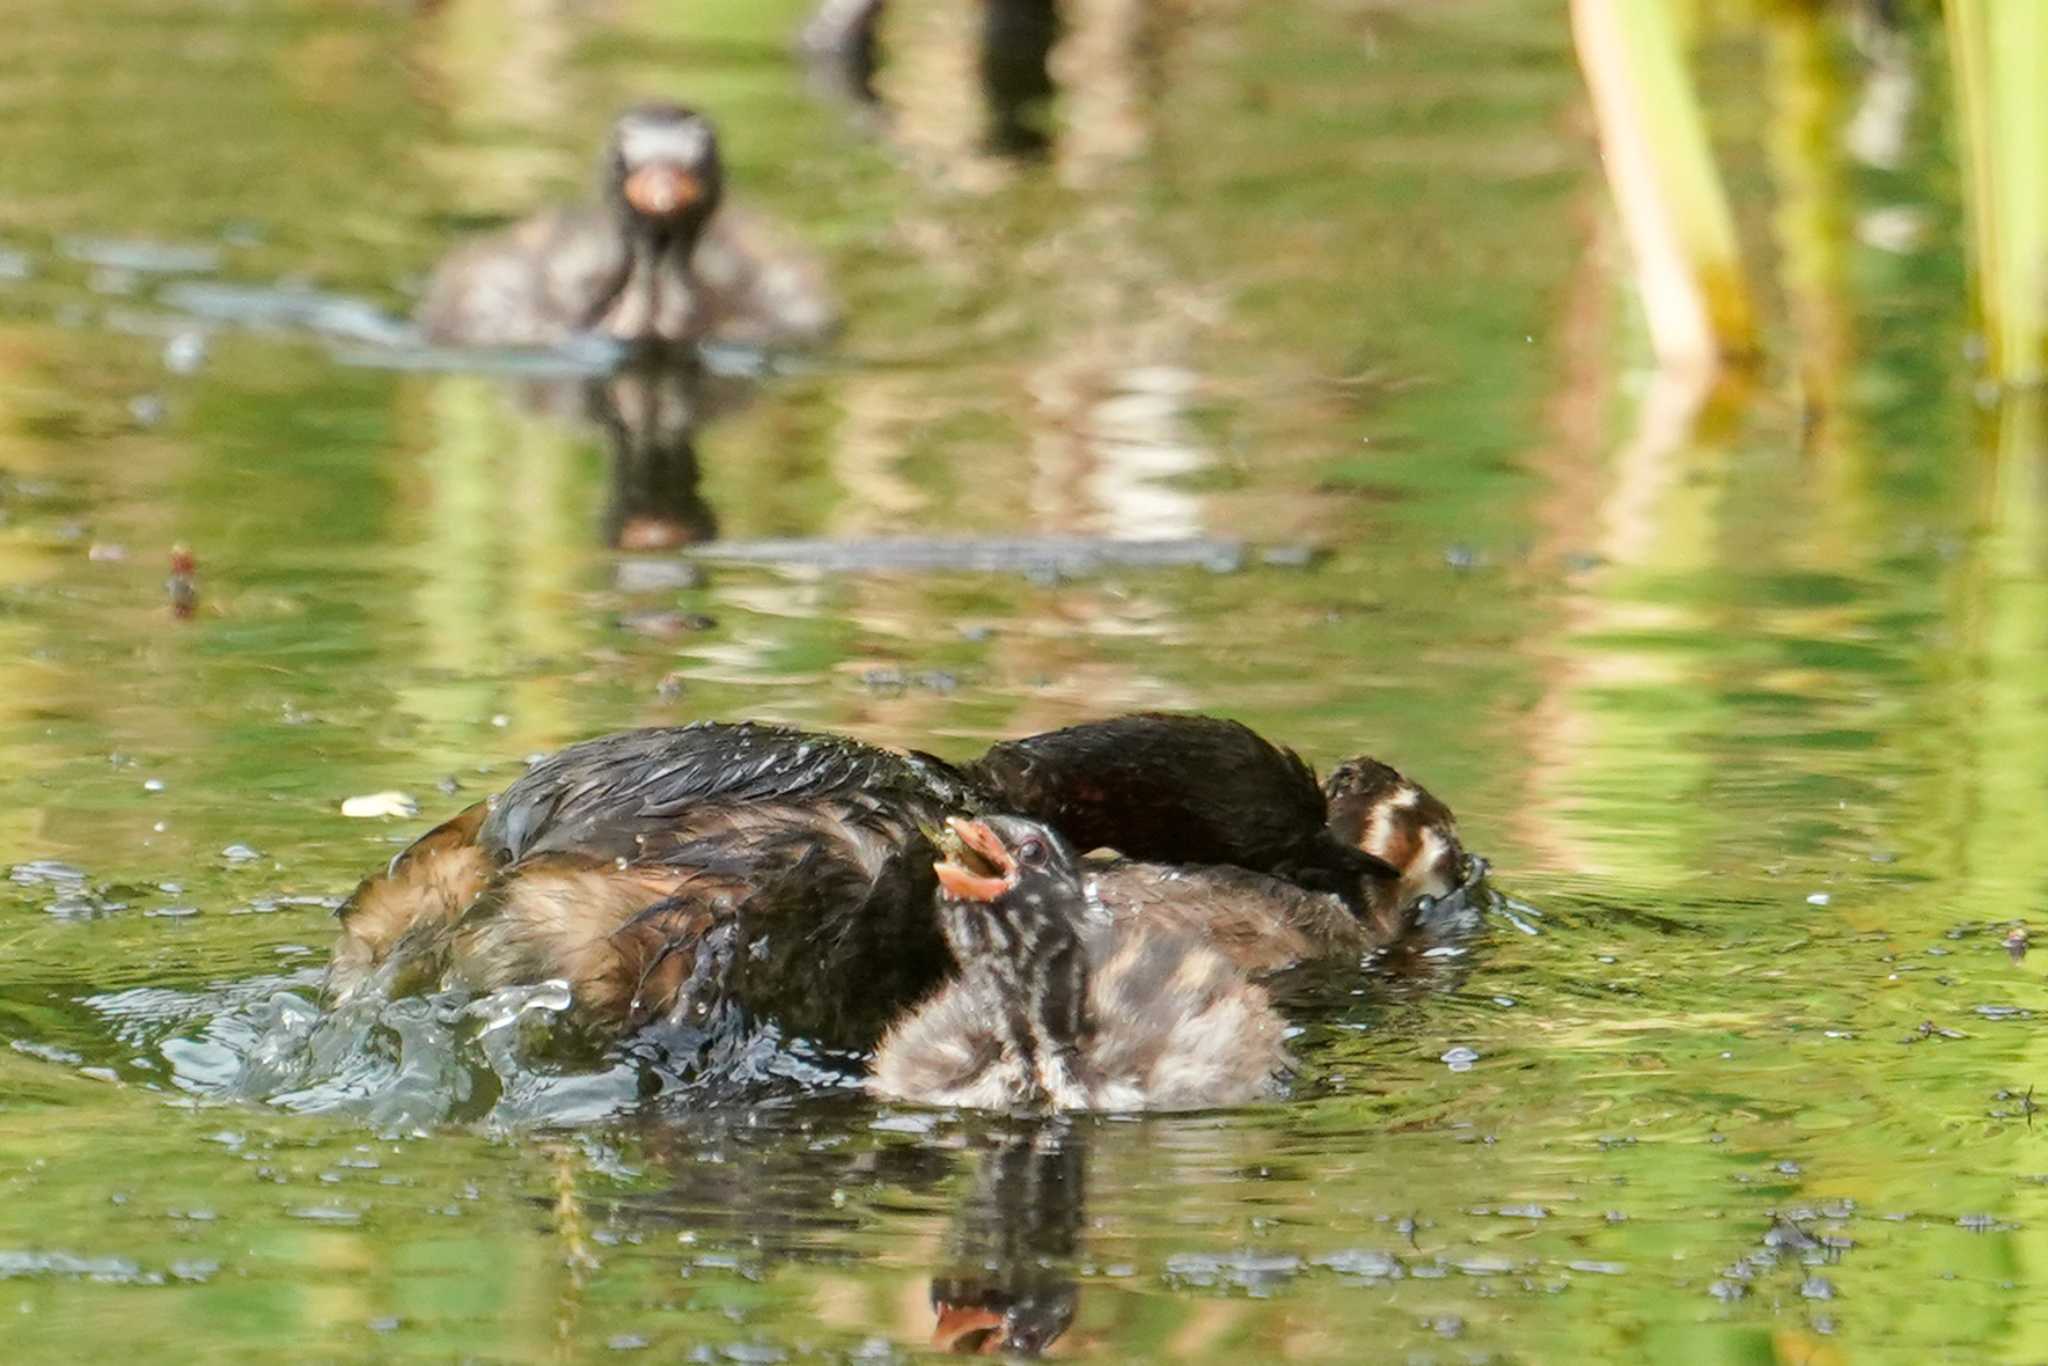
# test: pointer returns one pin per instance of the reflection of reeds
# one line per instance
(32, 686)
(1811, 222)
(572, 1235)
(1108, 73)
(498, 546)
(1660, 166)
(2003, 641)
(1619, 692)
(1999, 51)
(929, 84)
(493, 65)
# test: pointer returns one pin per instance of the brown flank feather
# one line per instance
(421, 893)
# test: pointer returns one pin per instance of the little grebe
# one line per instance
(1348, 862)
(659, 262)
(1058, 1006)
(673, 872)
(1199, 789)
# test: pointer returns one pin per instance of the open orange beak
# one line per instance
(661, 189)
(970, 884)
(968, 1331)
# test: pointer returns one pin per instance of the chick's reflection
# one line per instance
(1008, 1288)
(650, 414)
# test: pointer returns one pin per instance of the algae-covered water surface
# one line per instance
(1743, 693)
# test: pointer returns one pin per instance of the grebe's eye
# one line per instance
(1031, 851)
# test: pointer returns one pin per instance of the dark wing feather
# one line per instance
(829, 932)
(605, 796)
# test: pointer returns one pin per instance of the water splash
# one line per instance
(512, 1059)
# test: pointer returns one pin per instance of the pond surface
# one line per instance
(1743, 694)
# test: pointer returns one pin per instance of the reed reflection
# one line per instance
(504, 532)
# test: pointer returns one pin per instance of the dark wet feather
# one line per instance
(1181, 789)
(604, 795)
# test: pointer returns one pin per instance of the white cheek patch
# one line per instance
(1434, 848)
(1379, 825)
(681, 143)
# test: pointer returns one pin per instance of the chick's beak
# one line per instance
(978, 844)
(968, 1331)
(660, 189)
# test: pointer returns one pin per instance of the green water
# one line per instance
(1748, 702)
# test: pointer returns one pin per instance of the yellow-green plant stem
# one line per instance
(1660, 166)
(2000, 54)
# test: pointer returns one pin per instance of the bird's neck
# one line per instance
(653, 294)
(1037, 995)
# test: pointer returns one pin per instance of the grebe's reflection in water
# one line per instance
(1007, 1287)
(649, 413)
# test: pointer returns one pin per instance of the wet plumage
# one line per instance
(673, 872)
(737, 872)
